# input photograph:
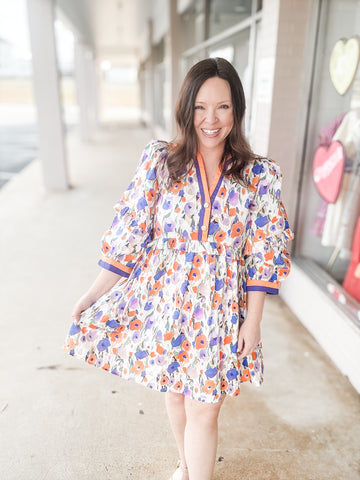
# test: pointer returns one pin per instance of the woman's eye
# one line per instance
(225, 106)
(199, 107)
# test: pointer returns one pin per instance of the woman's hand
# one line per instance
(103, 283)
(249, 334)
(249, 337)
(80, 306)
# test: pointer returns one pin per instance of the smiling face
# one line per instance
(213, 116)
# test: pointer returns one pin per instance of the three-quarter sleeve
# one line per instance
(267, 259)
(132, 227)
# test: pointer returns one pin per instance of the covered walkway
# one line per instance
(61, 419)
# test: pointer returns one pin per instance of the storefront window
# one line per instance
(193, 24)
(224, 14)
(328, 230)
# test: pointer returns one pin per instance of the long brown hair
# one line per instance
(184, 147)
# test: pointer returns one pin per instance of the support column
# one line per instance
(52, 154)
(86, 87)
(175, 80)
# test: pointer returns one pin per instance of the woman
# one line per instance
(198, 240)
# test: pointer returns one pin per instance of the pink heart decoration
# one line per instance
(328, 168)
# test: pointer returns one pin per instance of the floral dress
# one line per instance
(186, 254)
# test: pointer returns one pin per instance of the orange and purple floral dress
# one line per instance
(186, 254)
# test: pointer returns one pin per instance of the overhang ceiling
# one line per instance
(110, 27)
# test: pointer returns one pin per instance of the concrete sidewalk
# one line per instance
(61, 419)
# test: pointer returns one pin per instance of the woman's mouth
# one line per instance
(210, 133)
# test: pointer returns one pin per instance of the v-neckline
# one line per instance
(208, 191)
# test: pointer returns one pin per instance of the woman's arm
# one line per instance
(249, 334)
(103, 283)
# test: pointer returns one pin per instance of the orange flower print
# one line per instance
(259, 235)
(178, 386)
(104, 318)
(269, 255)
(138, 367)
(116, 335)
(232, 212)
(183, 356)
(201, 342)
(224, 385)
(172, 242)
(164, 380)
(158, 229)
(135, 324)
(248, 248)
(150, 196)
(92, 359)
(168, 336)
(220, 248)
(235, 307)
(216, 300)
(198, 260)
(69, 345)
(175, 187)
(245, 376)
(156, 288)
(237, 229)
(188, 306)
(186, 345)
(222, 192)
(209, 386)
(105, 247)
(194, 274)
(220, 236)
(106, 367)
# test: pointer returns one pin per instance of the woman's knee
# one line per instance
(205, 413)
(174, 399)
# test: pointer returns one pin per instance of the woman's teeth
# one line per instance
(210, 132)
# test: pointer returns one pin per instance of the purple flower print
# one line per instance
(91, 336)
(263, 188)
(173, 367)
(211, 372)
(233, 198)
(198, 313)
(214, 340)
(141, 204)
(203, 354)
(103, 344)
(232, 374)
(98, 315)
(160, 360)
(133, 302)
(74, 329)
(169, 225)
(188, 209)
(216, 207)
(136, 336)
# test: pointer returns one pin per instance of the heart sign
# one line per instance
(344, 61)
(328, 169)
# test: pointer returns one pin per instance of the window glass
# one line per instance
(329, 208)
(224, 14)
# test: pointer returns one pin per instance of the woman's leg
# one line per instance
(201, 435)
(175, 407)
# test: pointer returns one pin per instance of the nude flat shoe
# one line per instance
(181, 469)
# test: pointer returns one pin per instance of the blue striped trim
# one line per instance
(258, 288)
(113, 269)
(202, 194)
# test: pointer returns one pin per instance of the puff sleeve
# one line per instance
(132, 228)
(267, 259)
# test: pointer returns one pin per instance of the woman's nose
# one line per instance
(211, 116)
